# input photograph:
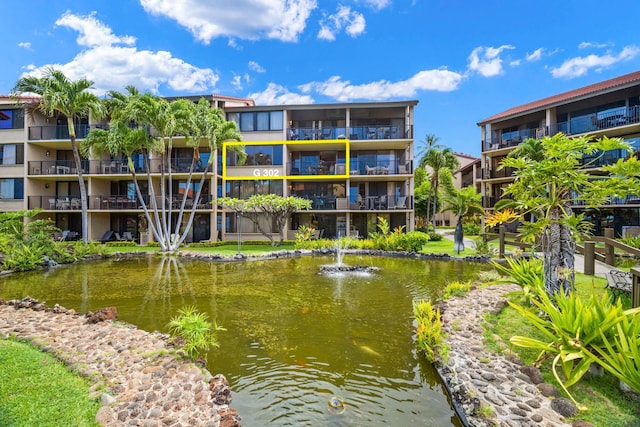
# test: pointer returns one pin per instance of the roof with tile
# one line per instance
(563, 98)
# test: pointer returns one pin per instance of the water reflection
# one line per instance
(294, 338)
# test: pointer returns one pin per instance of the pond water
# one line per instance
(294, 339)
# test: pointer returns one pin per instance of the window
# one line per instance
(12, 188)
(245, 189)
(11, 154)
(258, 120)
(11, 119)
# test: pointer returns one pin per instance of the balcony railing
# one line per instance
(357, 203)
(107, 167)
(52, 132)
(494, 173)
(111, 202)
(357, 168)
(369, 132)
(589, 123)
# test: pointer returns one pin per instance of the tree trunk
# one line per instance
(559, 255)
(83, 188)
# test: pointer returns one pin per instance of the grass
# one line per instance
(607, 405)
(36, 389)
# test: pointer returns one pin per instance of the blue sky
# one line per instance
(463, 60)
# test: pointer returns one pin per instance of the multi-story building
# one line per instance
(609, 108)
(353, 161)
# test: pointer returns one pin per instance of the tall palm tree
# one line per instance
(71, 98)
(200, 123)
(438, 159)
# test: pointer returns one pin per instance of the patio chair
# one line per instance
(400, 203)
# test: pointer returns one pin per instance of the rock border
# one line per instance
(139, 378)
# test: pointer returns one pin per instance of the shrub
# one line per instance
(23, 257)
(456, 289)
(435, 237)
(429, 335)
(197, 332)
(483, 248)
(471, 228)
(412, 241)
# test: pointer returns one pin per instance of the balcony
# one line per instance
(369, 132)
(60, 132)
(110, 202)
(107, 167)
(494, 173)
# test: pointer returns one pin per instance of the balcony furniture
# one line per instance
(75, 203)
(361, 204)
(52, 203)
(63, 204)
(370, 170)
(400, 203)
(325, 133)
(402, 169)
(382, 202)
(371, 202)
(62, 170)
(127, 236)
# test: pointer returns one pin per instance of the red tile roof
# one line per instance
(563, 98)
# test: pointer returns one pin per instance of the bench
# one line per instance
(619, 283)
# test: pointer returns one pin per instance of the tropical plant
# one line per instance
(265, 209)
(576, 331)
(194, 328)
(549, 178)
(198, 123)
(456, 289)
(429, 335)
(71, 99)
(437, 158)
(528, 273)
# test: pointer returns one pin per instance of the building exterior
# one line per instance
(609, 108)
(353, 161)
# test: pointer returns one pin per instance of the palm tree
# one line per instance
(463, 202)
(438, 159)
(61, 96)
(200, 123)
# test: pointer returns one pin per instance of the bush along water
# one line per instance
(192, 330)
(429, 335)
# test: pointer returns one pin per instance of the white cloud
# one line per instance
(113, 67)
(536, 55)
(342, 90)
(353, 23)
(580, 65)
(275, 94)
(486, 60)
(25, 45)
(587, 45)
(244, 19)
(92, 32)
(253, 65)
(236, 82)
(515, 63)
(377, 4)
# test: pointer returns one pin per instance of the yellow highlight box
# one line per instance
(272, 172)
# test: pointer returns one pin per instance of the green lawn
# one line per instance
(38, 390)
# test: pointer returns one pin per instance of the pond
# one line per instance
(294, 339)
